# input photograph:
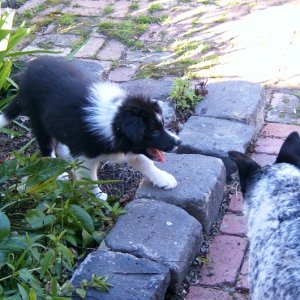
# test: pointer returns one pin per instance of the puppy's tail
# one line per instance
(11, 112)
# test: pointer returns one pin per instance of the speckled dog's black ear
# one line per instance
(290, 150)
(247, 167)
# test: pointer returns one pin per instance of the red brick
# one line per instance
(278, 130)
(236, 203)
(242, 282)
(268, 145)
(264, 159)
(226, 253)
(203, 293)
(234, 224)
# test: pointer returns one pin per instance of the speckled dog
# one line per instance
(272, 206)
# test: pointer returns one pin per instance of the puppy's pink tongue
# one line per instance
(157, 154)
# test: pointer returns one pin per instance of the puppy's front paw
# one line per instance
(164, 180)
(64, 176)
(99, 194)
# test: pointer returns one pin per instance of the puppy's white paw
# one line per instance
(164, 180)
(64, 176)
(99, 194)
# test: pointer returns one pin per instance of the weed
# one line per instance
(220, 19)
(297, 94)
(155, 7)
(46, 228)
(28, 14)
(134, 5)
(66, 19)
(108, 10)
(127, 31)
(184, 97)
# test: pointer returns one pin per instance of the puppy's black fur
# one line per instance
(91, 118)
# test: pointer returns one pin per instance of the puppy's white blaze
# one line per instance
(105, 99)
(173, 135)
(3, 121)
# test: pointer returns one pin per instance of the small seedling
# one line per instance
(154, 7)
(66, 19)
(183, 95)
(108, 9)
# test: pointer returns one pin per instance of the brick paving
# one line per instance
(225, 275)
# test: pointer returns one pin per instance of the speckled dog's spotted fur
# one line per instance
(272, 206)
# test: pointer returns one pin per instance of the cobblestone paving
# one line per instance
(205, 39)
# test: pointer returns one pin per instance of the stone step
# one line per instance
(215, 137)
(130, 277)
(159, 232)
(201, 181)
(241, 101)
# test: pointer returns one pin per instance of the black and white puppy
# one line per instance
(91, 120)
(272, 206)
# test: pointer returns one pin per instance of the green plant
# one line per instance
(108, 9)
(130, 29)
(9, 40)
(47, 228)
(134, 5)
(183, 96)
(66, 19)
(154, 7)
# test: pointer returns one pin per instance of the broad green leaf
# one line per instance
(44, 170)
(13, 244)
(47, 261)
(82, 217)
(28, 278)
(7, 169)
(23, 292)
(4, 73)
(81, 293)
(4, 225)
(11, 132)
(32, 294)
(37, 219)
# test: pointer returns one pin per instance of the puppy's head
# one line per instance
(139, 127)
(249, 170)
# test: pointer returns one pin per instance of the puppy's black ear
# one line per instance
(133, 127)
(290, 150)
(246, 167)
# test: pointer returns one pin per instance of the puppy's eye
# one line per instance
(156, 133)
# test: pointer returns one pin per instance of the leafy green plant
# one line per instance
(66, 19)
(155, 7)
(108, 9)
(9, 40)
(130, 29)
(46, 228)
(183, 96)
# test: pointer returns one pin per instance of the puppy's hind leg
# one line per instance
(11, 112)
(44, 140)
(88, 169)
(158, 177)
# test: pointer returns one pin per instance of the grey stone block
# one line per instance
(131, 277)
(200, 189)
(284, 108)
(215, 137)
(156, 89)
(160, 232)
(242, 101)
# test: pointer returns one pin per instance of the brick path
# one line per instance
(225, 275)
